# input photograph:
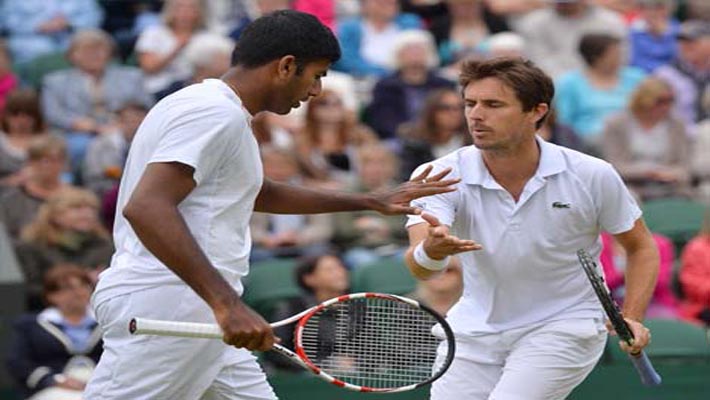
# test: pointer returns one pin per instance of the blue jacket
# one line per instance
(649, 51)
(350, 36)
(41, 350)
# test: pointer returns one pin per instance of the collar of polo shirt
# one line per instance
(475, 172)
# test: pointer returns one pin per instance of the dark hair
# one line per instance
(59, 274)
(592, 46)
(282, 33)
(531, 85)
(23, 101)
(308, 266)
(425, 126)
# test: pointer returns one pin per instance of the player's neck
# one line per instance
(246, 85)
(512, 169)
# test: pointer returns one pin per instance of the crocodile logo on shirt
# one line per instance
(559, 204)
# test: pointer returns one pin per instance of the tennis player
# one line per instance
(528, 325)
(192, 179)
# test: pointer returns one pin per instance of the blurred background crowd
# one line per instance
(78, 76)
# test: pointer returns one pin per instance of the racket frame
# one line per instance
(640, 360)
(299, 356)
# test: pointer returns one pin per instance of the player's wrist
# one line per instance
(426, 261)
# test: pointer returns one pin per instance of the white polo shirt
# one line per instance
(527, 271)
(206, 127)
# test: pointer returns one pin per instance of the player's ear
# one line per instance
(286, 67)
(540, 111)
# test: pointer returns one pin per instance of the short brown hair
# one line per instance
(59, 274)
(531, 85)
(23, 101)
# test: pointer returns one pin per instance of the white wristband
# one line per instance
(423, 259)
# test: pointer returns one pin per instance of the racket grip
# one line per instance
(649, 376)
(143, 326)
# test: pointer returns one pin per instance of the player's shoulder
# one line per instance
(581, 164)
(205, 99)
(455, 160)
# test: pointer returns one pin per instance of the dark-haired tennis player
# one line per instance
(192, 179)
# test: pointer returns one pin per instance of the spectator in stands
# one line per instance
(648, 145)
(700, 162)
(664, 304)
(367, 41)
(54, 352)
(81, 101)
(160, 48)
(21, 122)
(209, 56)
(439, 129)
(329, 137)
(39, 27)
(652, 36)
(46, 162)
(695, 275)
(552, 34)
(8, 80)
(65, 230)
(321, 277)
(504, 44)
(586, 97)
(441, 292)
(366, 236)
(689, 74)
(514, 10)
(107, 153)
(466, 25)
(399, 97)
(324, 10)
(287, 235)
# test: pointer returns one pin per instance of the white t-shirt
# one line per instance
(206, 127)
(527, 271)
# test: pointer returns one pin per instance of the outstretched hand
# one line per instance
(396, 201)
(440, 244)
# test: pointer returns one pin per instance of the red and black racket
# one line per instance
(367, 342)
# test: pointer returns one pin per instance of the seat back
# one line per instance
(270, 282)
(387, 275)
(679, 219)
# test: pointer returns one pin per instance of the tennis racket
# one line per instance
(366, 342)
(648, 374)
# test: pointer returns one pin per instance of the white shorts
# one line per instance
(156, 367)
(545, 362)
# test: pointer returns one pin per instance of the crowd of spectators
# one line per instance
(78, 76)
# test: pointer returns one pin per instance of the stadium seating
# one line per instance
(679, 219)
(270, 282)
(32, 72)
(388, 275)
(672, 340)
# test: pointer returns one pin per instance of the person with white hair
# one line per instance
(81, 101)
(208, 56)
(398, 97)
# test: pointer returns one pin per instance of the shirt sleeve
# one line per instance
(201, 139)
(442, 206)
(618, 210)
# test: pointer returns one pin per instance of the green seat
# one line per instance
(270, 282)
(679, 219)
(671, 340)
(387, 275)
(33, 71)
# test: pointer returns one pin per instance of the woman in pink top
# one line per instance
(695, 276)
(8, 80)
(664, 303)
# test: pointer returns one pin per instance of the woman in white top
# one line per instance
(160, 48)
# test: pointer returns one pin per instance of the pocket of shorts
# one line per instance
(584, 329)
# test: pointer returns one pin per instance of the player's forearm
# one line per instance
(641, 277)
(163, 231)
(280, 198)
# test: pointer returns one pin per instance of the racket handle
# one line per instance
(648, 374)
(145, 326)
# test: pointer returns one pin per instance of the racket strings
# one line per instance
(372, 342)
